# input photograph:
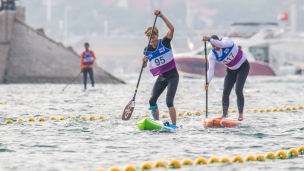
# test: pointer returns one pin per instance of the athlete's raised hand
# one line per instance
(158, 12)
(205, 38)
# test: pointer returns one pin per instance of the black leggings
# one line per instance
(160, 85)
(85, 73)
(237, 77)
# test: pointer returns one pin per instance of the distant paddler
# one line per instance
(87, 58)
(225, 51)
(162, 64)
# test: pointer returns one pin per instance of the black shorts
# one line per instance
(169, 79)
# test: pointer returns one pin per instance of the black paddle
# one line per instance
(206, 70)
(130, 106)
(71, 81)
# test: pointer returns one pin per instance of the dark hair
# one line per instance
(86, 43)
(215, 37)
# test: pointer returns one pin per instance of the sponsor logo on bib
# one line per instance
(161, 50)
(226, 50)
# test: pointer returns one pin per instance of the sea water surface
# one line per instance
(89, 145)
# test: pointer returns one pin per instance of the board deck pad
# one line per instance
(221, 123)
(150, 124)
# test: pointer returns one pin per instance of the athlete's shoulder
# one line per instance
(227, 39)
(166, 42)
(211, 54)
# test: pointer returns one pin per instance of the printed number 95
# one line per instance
(159, 61)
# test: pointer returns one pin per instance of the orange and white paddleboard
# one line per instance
(221, 123)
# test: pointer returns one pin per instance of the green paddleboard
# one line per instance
(148, 124)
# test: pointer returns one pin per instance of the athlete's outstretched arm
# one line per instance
(167, 22)
(211, 60)
(225, 42)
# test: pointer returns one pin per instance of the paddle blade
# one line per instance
(127, 113)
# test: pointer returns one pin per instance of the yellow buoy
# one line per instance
(294, 108)
(186, 162)
(204, 110)
(180, 114)
(270, 155)
(114, 169)
(158, 164)
(175, 164)
(19, 120)
(53, 118)
(248, 110)
(229, 111)
(237, 159)
(1, 102)
(137, 116)
(213, 160)
(197, 113)
(129, 168)
(145, 166)
(259, 157)
(83, 118)
(73, 117)
(281, 155)
(219, 111)
(288, 108)
(99, 170)
(188, 113)
(200, 161)
(164, 115)
(301, 150)
(61, 118)
(280, 109)
(101, 117)
(261, 110)
(292, 153)
(255, 110)
(41, 119)
(31, 119)
(9, 121)
(119, 115)
(225, 160)
(274, 110)
(233, 111)
(268, 110)
(300, 107)
(250, 158)
(92, 118)
(146, 115)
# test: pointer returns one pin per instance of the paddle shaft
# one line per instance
(71, 81)
(142, 67)
(206, 70)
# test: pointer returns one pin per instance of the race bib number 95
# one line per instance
(159, 61)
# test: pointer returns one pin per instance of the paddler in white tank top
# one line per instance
(225, 51)
(162, 64)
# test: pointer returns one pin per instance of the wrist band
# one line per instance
(161, 15)
(209, 39)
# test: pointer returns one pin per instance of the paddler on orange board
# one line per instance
(225, 51)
